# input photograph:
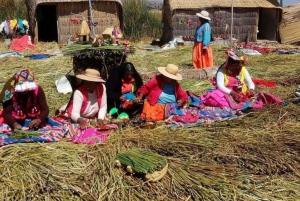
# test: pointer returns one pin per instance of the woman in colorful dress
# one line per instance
(202, 51)
(121, 86)
(161, 90)
(235, 88)
(23, 99)
(89, 100)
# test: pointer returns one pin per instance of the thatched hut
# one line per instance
(290, 25)
(57, 20)
(249, 16)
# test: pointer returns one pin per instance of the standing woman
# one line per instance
(202, 51)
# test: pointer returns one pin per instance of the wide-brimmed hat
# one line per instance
(171, 71)
(91, 75)
(203, 14)
(230, 53)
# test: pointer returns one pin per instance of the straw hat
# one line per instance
(91, 75)
(171, 71)
(203, 14)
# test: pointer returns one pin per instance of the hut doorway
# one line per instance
(46, 16)
(267, 30)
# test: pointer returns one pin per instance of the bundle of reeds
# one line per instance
(142, 161)
(20, 134)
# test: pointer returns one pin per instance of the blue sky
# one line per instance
(289, 2)
(285, 2)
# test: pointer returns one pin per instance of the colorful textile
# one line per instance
(264, 83)
(196, 116)
(90, 136)
(51, 131)
(198, 113)
(13, 23)
(202, 58)
(153, 88)
(55, 129)
(21, 44)
(21, 26)
(216, 98)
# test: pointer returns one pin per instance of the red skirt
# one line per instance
(202, 59)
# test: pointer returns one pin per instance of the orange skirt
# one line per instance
(200, 59)
(155, 112)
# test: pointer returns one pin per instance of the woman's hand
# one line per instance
(139, 96)
(235, 95)
(101, 122)
(35, 123)
(180, 102)
(83, 124)
(122, 99)
(17, 126)
(251, 92)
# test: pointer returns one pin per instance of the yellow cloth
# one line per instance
(13, 23)
(242, 78)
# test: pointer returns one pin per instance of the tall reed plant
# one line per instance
(12, 9)
(140, 22)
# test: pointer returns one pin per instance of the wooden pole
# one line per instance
(92, 18)
(231, 28)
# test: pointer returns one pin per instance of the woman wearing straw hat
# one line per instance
(23, 99)
(89, 100)
(160, 90)
(202, 51)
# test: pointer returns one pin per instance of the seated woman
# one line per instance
(235, 87)
(89, 99)
(23, 99)
(121, 86)
(159, 91)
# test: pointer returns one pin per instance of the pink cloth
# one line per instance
(217, 98)
(21, 44)
(90, 136)
(231, 82)
(153, 88)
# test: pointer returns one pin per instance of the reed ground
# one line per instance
(256, 157)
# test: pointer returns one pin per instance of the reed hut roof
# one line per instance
(73, 1)
(290, 24)
(196, 4)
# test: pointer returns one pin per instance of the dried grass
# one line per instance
(253, 158)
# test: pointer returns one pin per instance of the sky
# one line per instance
(289, 2)
(285, 2)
